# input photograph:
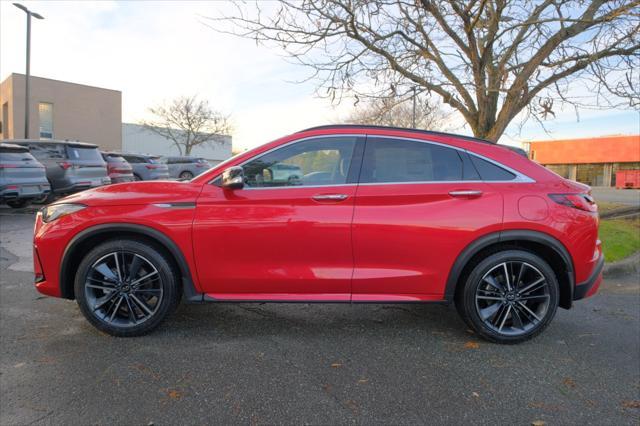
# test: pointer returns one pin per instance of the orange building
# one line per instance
(593, 161)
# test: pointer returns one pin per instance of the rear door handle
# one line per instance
(330, 197)
(466, 193)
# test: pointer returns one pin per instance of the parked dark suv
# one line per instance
(22, 177)
(70, 166)
(186, 167)
(118, 168)
(147, 167)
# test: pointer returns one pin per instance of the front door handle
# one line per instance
(330, 197)
(466, 193)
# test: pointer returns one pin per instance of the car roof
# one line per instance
(131, 154)
(403, 129)
(13, 147)
(52, 141)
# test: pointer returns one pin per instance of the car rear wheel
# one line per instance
(186, 175)
(509, 297)
(18, 204)
(126, 288)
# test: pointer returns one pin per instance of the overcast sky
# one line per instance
(154, 51)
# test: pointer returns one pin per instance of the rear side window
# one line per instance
(397, 160)
(132, 159)
(83, 154)
(489, 171)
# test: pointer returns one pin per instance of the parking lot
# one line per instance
(299, 363)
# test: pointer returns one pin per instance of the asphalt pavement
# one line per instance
(316, 363)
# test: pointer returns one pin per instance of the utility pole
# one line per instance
(413, 121)
(28, 71)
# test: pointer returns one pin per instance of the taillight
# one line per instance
(8, 166)
(151, 166)
(577, 201)
(65, 165)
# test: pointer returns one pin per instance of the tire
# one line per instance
(186, 175)
(509, 312)
(18, 204)
(130, 306)
(46, 199)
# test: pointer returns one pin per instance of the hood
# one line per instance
(136, 193)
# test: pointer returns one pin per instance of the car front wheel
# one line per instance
(126, 288)
(509, 297)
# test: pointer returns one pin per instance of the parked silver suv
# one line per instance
(22, 177)
(70, 166)
(186, 167)
(147, 167)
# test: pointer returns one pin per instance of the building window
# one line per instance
(591, 174)
(46, 120)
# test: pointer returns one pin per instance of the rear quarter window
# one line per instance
(491, 172)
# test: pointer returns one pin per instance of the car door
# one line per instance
(418, 205)
(287, 234)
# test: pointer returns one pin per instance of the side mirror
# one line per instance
(233, 178)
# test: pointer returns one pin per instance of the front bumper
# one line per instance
(589, 287)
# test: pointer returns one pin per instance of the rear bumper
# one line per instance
(589, 287)
(26, 191)
(81, 184)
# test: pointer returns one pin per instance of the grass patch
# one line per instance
(620, 238)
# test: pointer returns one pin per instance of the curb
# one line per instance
(620, 212)
(629, 265)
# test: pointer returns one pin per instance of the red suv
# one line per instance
(379, 215)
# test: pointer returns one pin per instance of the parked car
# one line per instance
(22, 177)
(118, 168)
(70, 166)
(147, 167)
(186, 167)
(381, 215)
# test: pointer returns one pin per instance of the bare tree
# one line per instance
(399, 113)
(489, 60)
(188, 122)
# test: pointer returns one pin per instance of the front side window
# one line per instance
(45, 110)
(318, 161)
(395, 160)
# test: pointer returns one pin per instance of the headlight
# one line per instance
(56, 211)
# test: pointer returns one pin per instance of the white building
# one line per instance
(136, 139)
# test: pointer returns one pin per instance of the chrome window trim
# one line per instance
(519, 177)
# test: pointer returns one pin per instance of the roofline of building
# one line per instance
(616, 136)
(63, 81)
(179, 130)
